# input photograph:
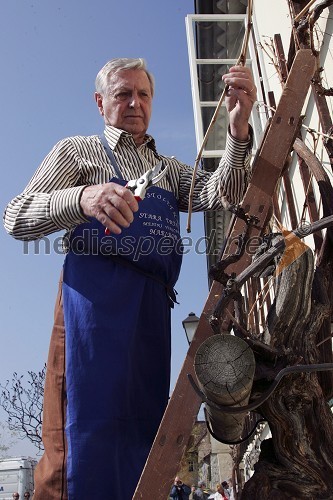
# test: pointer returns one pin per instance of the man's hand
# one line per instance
(113, 205)
(240, 97)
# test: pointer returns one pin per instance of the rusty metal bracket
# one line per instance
(231, 443)
(259, 401)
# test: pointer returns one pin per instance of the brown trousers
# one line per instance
(50, 474)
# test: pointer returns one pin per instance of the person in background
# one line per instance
(26, 494)
(179, 490)
(225, 486)
(108, 370)
(231, 489)
(200, 493)
(220, 493)
(193, 488)
(16, 495)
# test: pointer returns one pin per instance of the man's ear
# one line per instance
(99, 102)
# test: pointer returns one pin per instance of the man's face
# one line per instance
(127, 102)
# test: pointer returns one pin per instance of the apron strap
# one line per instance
(111, 156)
(171, 292)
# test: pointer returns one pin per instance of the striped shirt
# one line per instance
(51, 200)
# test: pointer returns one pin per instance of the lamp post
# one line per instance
(190, 325)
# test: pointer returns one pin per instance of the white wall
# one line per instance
(272, 18)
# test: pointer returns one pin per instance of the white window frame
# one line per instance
(258, 119)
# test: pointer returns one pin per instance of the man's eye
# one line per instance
(122, 95)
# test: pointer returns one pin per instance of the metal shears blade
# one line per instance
(157, 173)
(148, 179)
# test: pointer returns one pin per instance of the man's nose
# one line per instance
(134, 101)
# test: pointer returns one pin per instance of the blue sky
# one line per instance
(51, 52)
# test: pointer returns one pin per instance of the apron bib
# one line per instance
(117, 321)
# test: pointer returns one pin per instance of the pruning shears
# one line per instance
(139, 186)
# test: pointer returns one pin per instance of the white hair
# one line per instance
(120, 64)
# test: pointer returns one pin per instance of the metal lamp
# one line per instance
(190, 325)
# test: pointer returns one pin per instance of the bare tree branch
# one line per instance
(24, 405)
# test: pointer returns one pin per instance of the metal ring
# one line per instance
(249, 92)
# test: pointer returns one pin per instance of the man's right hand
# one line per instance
(111, 204)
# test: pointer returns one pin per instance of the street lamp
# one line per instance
(190, 325)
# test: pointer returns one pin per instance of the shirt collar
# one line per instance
(116, 135)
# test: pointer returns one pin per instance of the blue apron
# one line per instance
(117, 322)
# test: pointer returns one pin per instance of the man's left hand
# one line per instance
(240, 96)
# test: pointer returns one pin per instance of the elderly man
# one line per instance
(108, 369)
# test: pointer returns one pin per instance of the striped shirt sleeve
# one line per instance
(229, 180)
(50, 202)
